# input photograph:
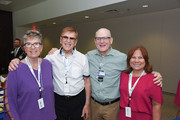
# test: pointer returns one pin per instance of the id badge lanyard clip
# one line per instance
(130, 87)
(39, 73)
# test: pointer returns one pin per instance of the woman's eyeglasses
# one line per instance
(36, 44)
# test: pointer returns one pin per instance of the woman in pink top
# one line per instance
(177, 99)
(140, 98)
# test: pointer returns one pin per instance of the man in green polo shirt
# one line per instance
(106, 65)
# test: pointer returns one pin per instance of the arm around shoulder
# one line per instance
(158, 79)
(13, 65)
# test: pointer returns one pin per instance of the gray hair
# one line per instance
(32, 34)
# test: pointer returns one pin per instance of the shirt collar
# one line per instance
(109, 53)
(62, 52)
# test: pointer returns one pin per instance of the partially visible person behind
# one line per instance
(17, 51)
(177, 99)
(140, 99)
(23, 54)
(29, 93)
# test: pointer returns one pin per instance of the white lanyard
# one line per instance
(39, 72)
(67, 64)
(130, 83)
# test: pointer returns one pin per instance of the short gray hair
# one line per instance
(32, 34)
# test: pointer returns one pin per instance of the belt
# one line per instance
(69, 97)
(106, 103)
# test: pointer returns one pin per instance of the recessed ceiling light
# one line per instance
(86, 17)
(144, 6)
(54, 23)
(5, 2)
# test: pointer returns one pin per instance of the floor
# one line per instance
(169, 109)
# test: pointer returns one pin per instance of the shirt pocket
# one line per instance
(76, 72)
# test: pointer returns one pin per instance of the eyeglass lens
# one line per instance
(66, 38)
(34, 44)
(102, 38)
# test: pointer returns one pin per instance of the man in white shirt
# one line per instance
(71, 76)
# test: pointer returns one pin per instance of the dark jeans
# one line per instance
(69, 107)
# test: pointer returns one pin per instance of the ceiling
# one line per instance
(129, 7)
(15, 5)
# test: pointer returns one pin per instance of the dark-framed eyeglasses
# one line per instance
(102, 38)
(65, 38)
(36, 44)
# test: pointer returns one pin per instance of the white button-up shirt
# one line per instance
(75, 66)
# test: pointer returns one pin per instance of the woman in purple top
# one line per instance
(29, 94)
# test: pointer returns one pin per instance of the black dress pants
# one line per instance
(69, 107)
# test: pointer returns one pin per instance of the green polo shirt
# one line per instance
(113, 64)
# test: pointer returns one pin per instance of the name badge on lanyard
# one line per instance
(101, 73)
(41, 103)
(40, 100)
(128, 111)
(130, 89)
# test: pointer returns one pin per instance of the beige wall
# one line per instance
(158, 32)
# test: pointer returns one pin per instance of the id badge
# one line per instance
(101, 75)
(66, 87)
(41, 103)
(128, 112)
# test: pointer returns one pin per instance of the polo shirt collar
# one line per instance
(109, 53)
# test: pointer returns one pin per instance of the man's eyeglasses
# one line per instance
(36, 44)
(65, 38)
(102, 38)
